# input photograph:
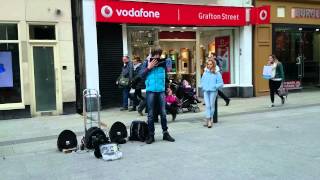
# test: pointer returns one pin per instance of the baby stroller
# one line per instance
(186, 97)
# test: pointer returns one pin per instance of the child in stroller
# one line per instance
(187, 96)
(172, 104)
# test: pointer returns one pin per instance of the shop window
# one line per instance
(42, 32)
(8, 32)
(10, 83)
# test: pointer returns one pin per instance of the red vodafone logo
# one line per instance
(263, 15)
(106, 11)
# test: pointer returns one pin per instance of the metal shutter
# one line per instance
(110, 62)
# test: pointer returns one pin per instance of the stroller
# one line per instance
(186, 97)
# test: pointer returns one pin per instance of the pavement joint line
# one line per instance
(189, 119)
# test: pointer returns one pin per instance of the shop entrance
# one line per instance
(297, 47)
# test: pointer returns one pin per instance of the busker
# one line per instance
(211, 81)
(154, 70)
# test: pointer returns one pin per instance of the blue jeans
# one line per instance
(151, 97)
(125, 96)
(209, 100)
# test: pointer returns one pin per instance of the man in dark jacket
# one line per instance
(137, 84)
(127, 72)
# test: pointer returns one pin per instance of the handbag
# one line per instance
(282, 90)
(123, 81)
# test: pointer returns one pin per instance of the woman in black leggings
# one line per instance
(277, 78)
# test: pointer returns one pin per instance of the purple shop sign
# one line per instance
(6, 75)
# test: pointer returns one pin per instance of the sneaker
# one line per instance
(150, 140)
(132, 109)
(174, 116)
(167, 137)
(272, 105)
(227, 102)
(123, 109)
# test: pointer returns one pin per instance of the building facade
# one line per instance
(36, 58)
(116, 28)
(293, 36)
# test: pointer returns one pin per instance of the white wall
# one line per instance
(23, 12)
(240, 3)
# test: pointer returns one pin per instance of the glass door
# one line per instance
(44, 78)
(298, 49)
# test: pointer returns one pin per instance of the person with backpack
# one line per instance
(154, 71)
(211, 81)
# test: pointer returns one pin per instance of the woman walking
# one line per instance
(211, 81)
(277, 77)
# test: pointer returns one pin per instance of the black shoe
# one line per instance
(123, 109)
(174, 116)
(167, 137)
(140, 112)
(282, 100)
(150, 140)
(132, 109)
(198, 101)
(227, 102)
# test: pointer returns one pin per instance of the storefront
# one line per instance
(187, 33)
(294, 38)
(36, 51)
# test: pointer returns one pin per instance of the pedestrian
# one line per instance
(172, 103)
(277, 77)
(124, 81)
(154, 69)
(219, 63)
(137, 83)
(211, 81)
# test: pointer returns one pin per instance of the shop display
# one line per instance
(6, 74)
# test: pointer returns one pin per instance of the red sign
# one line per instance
(260, 15)
(292, 84)
(222, 48)
(169, 14)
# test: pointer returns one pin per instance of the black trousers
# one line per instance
(172, 108)
(274, 86)
(223, 96)
(137, 97)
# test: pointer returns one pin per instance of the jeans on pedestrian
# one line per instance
(151, 99)
(125, 96)
(209, 99)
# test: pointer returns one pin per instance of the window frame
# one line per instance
(19, 105)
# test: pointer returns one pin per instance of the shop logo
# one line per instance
(106, 11)
(263, 14)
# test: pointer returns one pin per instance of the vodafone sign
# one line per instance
(260, 15)
(168, 14)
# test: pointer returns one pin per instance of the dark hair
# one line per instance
(137, 58)
(156, 51)
(213, 54)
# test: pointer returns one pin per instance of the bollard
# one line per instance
(215, 115)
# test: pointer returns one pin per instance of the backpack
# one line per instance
(138, 131)
(67, 140)
(118, 133)
(95, 137)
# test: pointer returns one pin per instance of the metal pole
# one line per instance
(215, 115)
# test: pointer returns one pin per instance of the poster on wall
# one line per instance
(6, 75)
(222, 48)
